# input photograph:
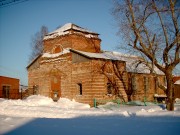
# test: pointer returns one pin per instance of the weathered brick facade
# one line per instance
(72, 67)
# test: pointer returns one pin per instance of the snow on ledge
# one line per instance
(48, 55)
(163, 96)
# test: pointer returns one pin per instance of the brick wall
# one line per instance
(13, 84)
(145, 86)
(48, 74)
(74, 41)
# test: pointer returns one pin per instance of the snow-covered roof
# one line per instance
(65, 29)
(104, 55)
(177, 82)
(133, 63)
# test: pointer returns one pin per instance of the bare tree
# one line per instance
(115, 73)
(37, 43)
(151, 28)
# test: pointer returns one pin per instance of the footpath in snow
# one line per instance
(40, 115)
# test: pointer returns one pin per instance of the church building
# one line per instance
(74, 66)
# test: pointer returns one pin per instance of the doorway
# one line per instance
(55, 87)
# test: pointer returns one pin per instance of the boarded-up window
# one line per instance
(146, 83)
(79, 87)
(134, 83)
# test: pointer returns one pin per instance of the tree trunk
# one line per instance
(170, 92)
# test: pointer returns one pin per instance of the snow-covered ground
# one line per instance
(40, 115)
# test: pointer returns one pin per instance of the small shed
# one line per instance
(9, 87)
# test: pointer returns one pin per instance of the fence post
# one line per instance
(21, 93)
(95, 103)
(145, 101)
(118, 101)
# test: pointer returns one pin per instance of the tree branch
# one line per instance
(175, 22)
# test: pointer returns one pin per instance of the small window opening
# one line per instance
(109, 88)
(80, 88)
(35, 89)
(57, 49)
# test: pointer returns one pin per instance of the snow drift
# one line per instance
(38, 114)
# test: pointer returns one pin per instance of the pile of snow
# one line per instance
(68, 104)
(39, 101)
(35, 100)
(37, 114)
(40, 106)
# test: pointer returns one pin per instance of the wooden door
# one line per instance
(55, 88)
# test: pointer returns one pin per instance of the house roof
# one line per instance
(133, 63)
(177, 82)
(65, 29)
(104, 55)
(8, 77)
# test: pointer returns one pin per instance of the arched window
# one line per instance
(57, 49)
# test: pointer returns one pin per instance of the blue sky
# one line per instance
(19, 22)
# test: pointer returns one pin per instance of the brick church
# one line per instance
(74, 66)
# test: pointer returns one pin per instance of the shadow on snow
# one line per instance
(101, 125)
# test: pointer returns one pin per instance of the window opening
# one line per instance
(109, 88)
(80, 88)
(6, 90)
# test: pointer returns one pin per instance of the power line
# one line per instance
(5, 3)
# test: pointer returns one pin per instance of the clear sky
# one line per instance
(19, 22)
